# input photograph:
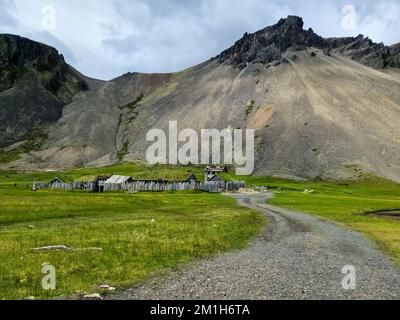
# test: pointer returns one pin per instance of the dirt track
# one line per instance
(297, 257)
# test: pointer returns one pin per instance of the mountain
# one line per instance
(35, 85)
(322, 107)
(269, 44)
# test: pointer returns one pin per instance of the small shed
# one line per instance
(56, 181)
(210, 172)
(118, 180)
(216, 178)
(115, 183)
(192, 178)
(91, 183)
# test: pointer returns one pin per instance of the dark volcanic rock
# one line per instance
(24, 110)
(393, 60)
(35, 84)
(360, 49)
(271, 43)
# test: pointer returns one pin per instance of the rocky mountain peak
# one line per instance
(35, 84)
(24, 60)
(269, 45)
(293, 22)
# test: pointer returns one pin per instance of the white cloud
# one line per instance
(350, 17)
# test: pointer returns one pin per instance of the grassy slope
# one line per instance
(139, 233)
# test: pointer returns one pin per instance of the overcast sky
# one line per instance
(107, 38)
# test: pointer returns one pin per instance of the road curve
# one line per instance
(296, 257)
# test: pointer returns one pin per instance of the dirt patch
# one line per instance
(393, 215)
(385, 214)
(297, 227)
(259, 120)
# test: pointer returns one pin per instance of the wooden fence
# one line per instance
(145, 186)
(91, 186)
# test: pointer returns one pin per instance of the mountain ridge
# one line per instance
(321, 108)
(269, 44)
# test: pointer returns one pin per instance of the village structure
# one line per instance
(213, 182)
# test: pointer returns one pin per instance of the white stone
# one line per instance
(94, 296)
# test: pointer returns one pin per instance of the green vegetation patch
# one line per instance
(88, 178)
(123, 151)
(34, 141)
(250, 107)
(134, 104)
(6, 157)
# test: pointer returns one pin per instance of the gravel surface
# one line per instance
(296, 257)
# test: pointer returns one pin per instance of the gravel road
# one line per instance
(296, 257)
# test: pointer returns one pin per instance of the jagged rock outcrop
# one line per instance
(394, 58)
(270, 44)
(363, 50)
(35, 84)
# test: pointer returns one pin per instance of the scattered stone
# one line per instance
(104, 286)
(65, 248)
(107, 287)
(94, 297)
(247, 190)
(52, 248)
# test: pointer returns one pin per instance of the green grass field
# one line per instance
(144, 233)
(139, 234)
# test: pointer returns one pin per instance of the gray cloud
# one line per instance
(163, 36)
(7, 21)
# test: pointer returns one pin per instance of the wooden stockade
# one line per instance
(138, 186)
(92, 187)
(144, 186)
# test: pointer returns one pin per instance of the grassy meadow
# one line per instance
(145, 233)
(139, 234)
